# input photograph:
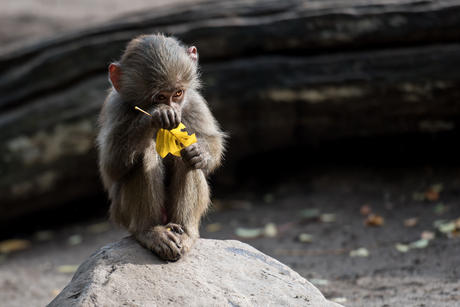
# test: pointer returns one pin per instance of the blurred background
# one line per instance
(343, 118)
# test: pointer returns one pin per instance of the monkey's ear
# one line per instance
(114, 76)
(193, 53)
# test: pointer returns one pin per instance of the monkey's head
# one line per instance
(153, 68)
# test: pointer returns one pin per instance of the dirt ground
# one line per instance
(427, 276)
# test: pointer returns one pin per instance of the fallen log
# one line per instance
(277, 75)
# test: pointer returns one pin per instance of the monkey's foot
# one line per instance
(165, 241)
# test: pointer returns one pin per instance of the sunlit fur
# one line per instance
(132, 171)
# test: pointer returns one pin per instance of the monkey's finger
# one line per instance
(196, 161)
(165, 119)
(172, 236)
(188, 157)
(169, 251)
(177, 118)
(171, 242)
(174, 243)
(172, 119)
(199, 165)
(156, 119)
(176, 227)
(176, 254)
(190, 152)
(184, 153)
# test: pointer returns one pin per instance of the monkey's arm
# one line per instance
(213, 146)
(211, 140)
(123, 138)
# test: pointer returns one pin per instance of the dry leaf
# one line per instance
(13, 245)
(410, 222)
(422, 243)
(445, 226)
(98, 228)
(374, 220)
(214, 227)
(365, 210)
(427, 235)
(432, 193)
(75, 239)
(305, 238)
(327, 217)
(67, 268)
(270, 230)
(360, 252)
(403, 248)
(457, 223)
(248, 233)
(173, 141)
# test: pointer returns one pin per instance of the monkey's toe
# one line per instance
(175, 227)
(167, 254)
(169, 243)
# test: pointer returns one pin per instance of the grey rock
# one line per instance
(214, 273)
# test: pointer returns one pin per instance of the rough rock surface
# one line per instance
(214, 273)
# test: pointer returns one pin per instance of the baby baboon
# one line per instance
(160, 201)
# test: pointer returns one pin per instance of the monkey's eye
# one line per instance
(161, 97)
(178, 93)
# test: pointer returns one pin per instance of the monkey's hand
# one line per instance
(165, 241)
(166, 117)
(194, 156)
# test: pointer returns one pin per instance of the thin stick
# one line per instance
(142, 111)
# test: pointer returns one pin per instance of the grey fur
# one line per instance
(132, 171)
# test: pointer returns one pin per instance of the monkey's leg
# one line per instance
(139, 209)
(187, 201)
